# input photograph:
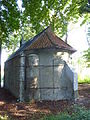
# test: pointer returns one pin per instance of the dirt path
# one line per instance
(84, 95)
(36, 110)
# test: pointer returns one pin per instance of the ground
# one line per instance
(36, 110)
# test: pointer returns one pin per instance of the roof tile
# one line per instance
(45, 39)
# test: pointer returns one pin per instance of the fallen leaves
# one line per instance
(37, 110)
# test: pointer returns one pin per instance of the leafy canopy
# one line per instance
(9, 19)
(37, 15)
(57, 13)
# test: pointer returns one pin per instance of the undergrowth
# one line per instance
(76, 113)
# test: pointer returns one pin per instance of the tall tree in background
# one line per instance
(9, 21)
(88, 33)
(87, 52)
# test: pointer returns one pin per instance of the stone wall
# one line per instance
(12, 76)
(47, 78)
(53, 80)
(42, 76)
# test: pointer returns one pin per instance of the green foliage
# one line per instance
(57, 13)
(86, 79)
(9, 19)
(78, 113)
(37, 15)
(3, 118)
(62, 116)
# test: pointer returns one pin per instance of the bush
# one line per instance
(77, 114)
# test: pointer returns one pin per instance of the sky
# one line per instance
(19, 4)
(77, 37)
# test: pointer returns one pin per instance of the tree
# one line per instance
(87, 52)
(9, 21)
(88, 33)
(87, 56)
(57, 13)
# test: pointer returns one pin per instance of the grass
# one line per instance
(83, 81)
(3, 117)
(77, 113)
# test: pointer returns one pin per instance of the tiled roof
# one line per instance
(41, 42)
(58, 42)
(45, 39)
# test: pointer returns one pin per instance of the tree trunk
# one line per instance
(0, 62)
(66, 37)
